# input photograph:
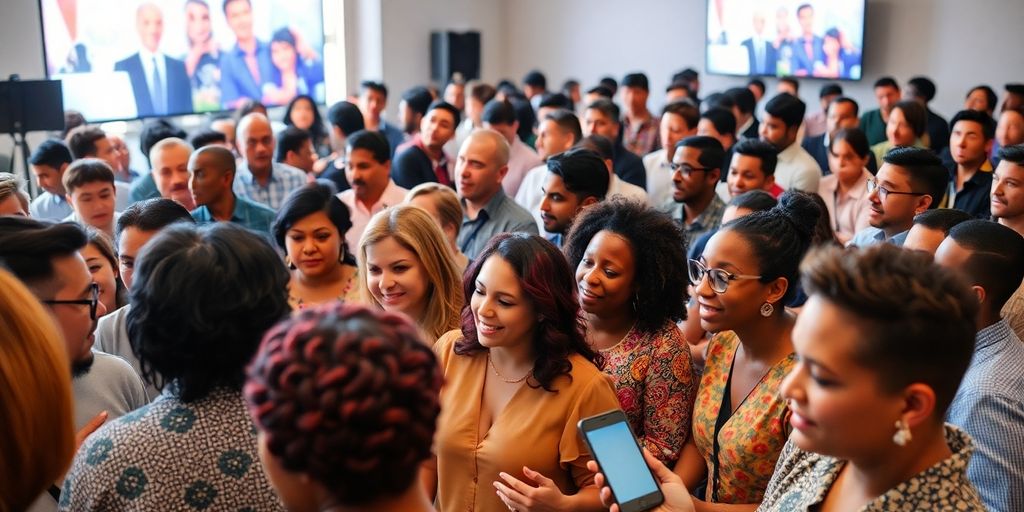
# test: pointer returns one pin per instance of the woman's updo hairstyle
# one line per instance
(348, 396)
(780, 237)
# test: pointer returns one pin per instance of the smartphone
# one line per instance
(618, 454)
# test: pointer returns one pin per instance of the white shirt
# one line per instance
(360, 215)
(622, 188)
(521, 159)
(659, 177)
(797, 169)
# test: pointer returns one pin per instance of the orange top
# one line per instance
(536, 429)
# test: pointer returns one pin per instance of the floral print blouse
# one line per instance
(803, 479)
(752, 438)
(655, 386)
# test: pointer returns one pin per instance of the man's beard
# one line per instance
(81, 367)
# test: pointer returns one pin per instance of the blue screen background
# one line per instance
(621, 462)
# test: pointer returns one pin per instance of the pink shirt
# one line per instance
(848, 212)
(393, 195)
(521, 158)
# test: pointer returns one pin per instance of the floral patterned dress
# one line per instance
(655, 387)
(750, 441)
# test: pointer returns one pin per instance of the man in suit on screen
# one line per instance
(761, 53)
(160, 83)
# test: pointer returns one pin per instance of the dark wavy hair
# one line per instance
(548, 283)
(28, 247)
(307, 200)
(659, 251)
(318, 130)
(348, 396)
(201, 300)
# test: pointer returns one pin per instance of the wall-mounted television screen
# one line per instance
(126, 59)
(818, 39)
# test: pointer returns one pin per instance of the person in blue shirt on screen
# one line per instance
(246, 67)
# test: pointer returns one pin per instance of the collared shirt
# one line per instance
(797, 169)
(707, 220)
(247, 213)
(848, 212)
(990, 407)
(641, 138)
(499, 215)
(802, 481)
(360, 215)
(283, 179)
(659, 177)
(872, 235)
(49, 206)
(237, 80)
(149, 59)
(974, 198)
(521, 159)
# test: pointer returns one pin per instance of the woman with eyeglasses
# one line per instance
(629, 264)
(742, 281)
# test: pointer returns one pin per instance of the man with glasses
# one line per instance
(46, 258)
(696, 168)
(910, 181)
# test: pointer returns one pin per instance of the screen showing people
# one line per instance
(121, 59)
(822, 39)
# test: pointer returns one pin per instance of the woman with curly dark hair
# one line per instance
(346, 402)
(519, 375)
(631, 278)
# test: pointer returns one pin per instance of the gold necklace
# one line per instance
(502, 377)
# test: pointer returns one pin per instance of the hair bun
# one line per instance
(801, 211)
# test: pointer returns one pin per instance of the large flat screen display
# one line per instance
(819, 39)
(126, 59)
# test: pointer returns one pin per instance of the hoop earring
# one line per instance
(902, 435)
(288, 261)
(767, 309)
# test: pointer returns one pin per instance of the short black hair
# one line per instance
(569, 85)
(791, 81)
(687, 74)
(757, 82)
(555, 100)
(743, 98)
(802, 7)
(638, 80)
(723, 120)
(181, 329)
(764, 151)
(855, 137)
(28, 247)
(207, 137)
(685, 109)
(418, 99)
(606, 107)
(156, 130)
(659, 253)
(848, 100)
(990, 95)
(291, 139)
(306, 200)
(1014, 88)
(224, 7)
(941, 219)
(499, 112)
(1013, 154)
(830, 89)
(602, 91)
(525, 115)
(886, 81)
(610, 84)
(346, 117)
(582, 171)
(788, 108)
(712, 154)
(82, 140)
(447, 107)
(924, 86)
(599, 144)
(754, 200)
(567, 121)
(718, 100)
(988, 125)
(927, 174)
(51, 153)
(780, 237)
(997, 257)
(371, 140)
(535, 79)
(370, 85)
(152, 215)
(678, 85)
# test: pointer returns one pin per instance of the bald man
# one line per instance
(213, 173)
(160, 83)
(259, 177)
(481, 166)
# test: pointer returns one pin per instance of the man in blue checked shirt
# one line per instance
(259, 177)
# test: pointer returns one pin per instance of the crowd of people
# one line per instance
(793, 311)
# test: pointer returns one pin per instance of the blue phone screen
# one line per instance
(621, 462)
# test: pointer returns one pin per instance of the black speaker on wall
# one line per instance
(454, 52)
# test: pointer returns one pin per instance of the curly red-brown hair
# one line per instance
(348, 396)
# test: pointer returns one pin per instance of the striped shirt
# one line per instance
(990, 407)
(283, 179)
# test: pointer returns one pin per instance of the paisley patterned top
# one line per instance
(172, 455)
(803, 480)
(752, 438)
(655, 387)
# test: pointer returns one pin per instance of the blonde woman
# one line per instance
(405, 265)
(38, 438)
(443, 205)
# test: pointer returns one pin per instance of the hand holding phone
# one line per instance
(617, 453)
(677, 497)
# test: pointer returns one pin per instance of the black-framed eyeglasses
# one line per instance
(718, 279)
(686, 169)
(92, 303)
(884, 192)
